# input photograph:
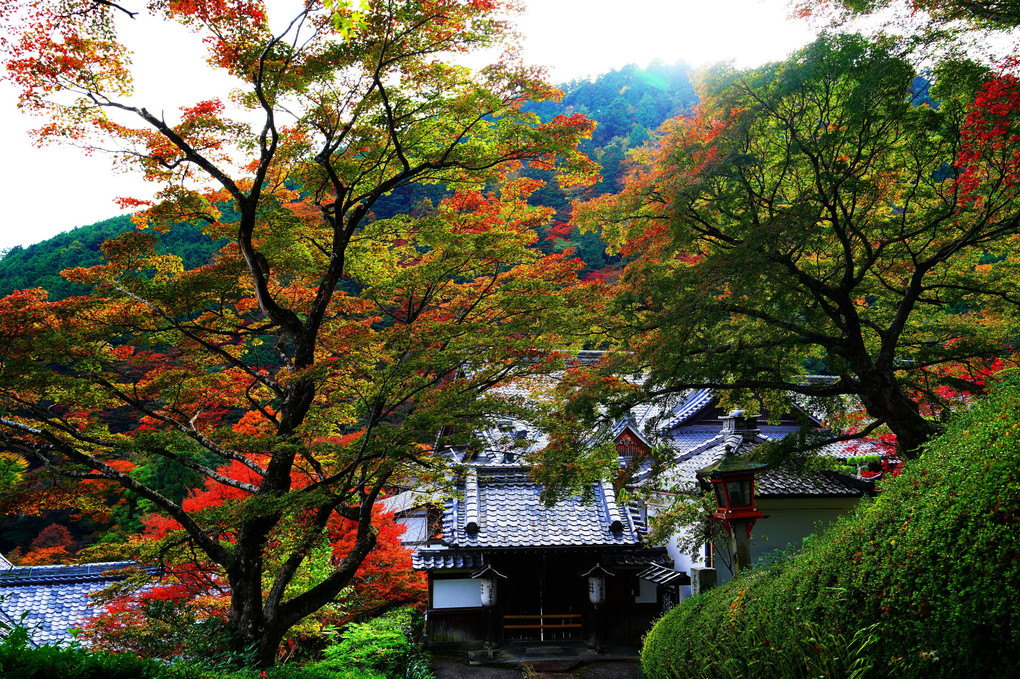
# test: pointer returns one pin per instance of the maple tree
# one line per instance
(940, 14)
(184, 610)
(310, 365)
(824, 211)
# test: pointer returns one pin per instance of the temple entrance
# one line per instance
(543, 599)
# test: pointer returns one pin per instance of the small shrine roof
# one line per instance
(502, 508)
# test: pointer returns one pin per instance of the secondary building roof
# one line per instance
(53, 600)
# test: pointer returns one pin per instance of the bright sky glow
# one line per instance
(46, 191)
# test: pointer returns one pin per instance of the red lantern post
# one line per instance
(732, 480)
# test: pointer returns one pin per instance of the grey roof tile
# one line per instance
(511, 514)
(695, 400)
(776, 483)
(55, 599)
(442, 558)
(782, 483)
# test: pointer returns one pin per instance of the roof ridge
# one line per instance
(472, 519)
(612, 510)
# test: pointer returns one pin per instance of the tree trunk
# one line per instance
(246, 620)
(884, 400)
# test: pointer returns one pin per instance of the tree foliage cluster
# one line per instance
(391, 247)
(39, 265)
(20, 659)
(628, 105)
(876, 594)
(304, 371)
(824, 211)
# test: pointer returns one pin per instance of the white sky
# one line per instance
(45, 191)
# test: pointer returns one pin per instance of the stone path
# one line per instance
(451, 669)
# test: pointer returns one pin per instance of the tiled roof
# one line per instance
(55, 599)
(661, 575)
(644, 556)
(436, 558)
(505, 504)
(782, 483)
(406, 500)
(772, 483)
(109, 571)
(444, 558)
(694, 401)
(4, 563)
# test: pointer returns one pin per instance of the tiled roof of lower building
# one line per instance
(443, 558)
(55, 599)
(432, 558)
(772, 483)
(643, 556)
(782, 483)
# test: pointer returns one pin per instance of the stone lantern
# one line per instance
(732, 480)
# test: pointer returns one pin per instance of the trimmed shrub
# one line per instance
(322, 670)
(922, 582)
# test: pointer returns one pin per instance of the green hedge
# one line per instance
(922, 582)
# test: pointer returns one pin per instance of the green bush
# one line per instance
(390, 644)
(20, 660)
(922, 582)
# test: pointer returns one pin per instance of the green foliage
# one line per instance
(798, 219)
(390, 644)
(39, 265)
(876, 596)
(320, 670)
(627, 102)
(19, 660)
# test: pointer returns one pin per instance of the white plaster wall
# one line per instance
(788, 523)
(416, 531)
(460, 593)
(647, 592)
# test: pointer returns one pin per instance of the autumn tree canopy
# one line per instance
(311, 363)
(827, 213)
(993, 14)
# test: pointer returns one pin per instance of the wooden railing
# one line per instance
(549, 626)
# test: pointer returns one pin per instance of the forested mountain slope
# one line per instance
(629, 104)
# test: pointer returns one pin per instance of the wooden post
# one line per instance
(741, 546)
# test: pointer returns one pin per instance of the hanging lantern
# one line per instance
(596, 584)
(488, 578)
(732, 480)
(597, 588)
(488, 591)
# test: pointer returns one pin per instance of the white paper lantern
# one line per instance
(488, 591)
(597, 588)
